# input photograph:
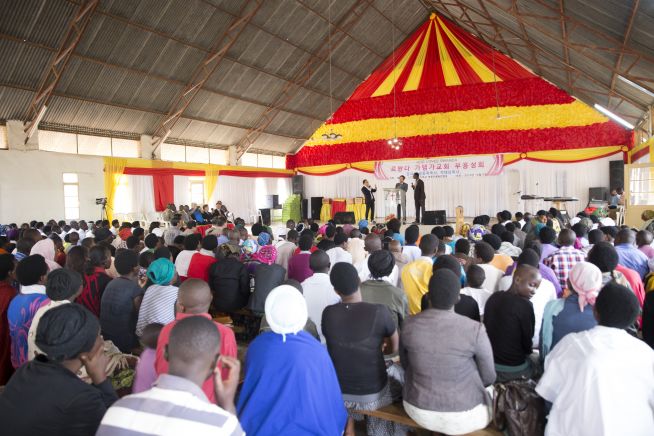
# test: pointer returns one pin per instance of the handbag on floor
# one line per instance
(518, 409)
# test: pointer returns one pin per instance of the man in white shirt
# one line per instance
(485, 254)
(191, 246)
(339, 253)
(318, 290)
(285, 249)
(410, 249)
(601, 381)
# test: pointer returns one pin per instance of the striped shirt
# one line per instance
(174, 406)
(158, 306)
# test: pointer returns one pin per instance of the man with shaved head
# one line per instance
(630, 256)
(176, 404)
(194, 299)
(510, 323)
(566, 257)
(318, 290)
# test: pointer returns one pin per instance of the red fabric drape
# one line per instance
(164, 190)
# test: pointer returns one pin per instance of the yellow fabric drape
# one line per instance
(210, 178)
(113, 170)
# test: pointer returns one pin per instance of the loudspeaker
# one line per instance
(316, 205)
(616, 174)
(434, 218)
(298, 184)
(598, 193)
(344, 218)
(265, 216)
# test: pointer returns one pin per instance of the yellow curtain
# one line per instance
(210, 178)
(113, 170)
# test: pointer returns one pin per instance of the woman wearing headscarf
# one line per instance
(45, 396)
(46, 248)
(573, 313)
(158, 305)
(290, 383)
(267, 276)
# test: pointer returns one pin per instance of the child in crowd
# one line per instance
(145, 373)
(476, 277)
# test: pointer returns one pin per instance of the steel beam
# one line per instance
(627, 35)
(51, 76)
(348, 20)
(203, 71)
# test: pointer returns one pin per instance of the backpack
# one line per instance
(518, 409)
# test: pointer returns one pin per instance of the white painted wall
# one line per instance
(31, 185)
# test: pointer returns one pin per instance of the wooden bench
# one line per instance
(395, 413)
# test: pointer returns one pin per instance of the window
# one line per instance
(125, 147)
(71, 196)
(279, 162)
(218, 157)
(3, 137)
(249, 160)
(173, 152)
(94, 145)
(197, 190)
(197, 155)
(57, 141)
(265, 160)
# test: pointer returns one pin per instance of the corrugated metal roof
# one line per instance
(135, 57)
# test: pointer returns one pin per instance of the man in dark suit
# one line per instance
(418, 195)
(369, 196)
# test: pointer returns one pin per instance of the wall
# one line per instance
(31, 185)
(480, 195)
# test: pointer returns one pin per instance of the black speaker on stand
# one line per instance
(316, 205)
(616, 174)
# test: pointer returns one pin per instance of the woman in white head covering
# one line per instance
(290, 383)
(46, 248)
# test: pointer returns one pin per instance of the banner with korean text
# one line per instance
(487, 165)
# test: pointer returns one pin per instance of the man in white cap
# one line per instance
(276, 397)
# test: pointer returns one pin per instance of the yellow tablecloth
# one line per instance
(358, 209)
(326, 212)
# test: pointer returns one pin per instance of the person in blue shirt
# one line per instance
(630, 256)
(290, 385)
(394, 226)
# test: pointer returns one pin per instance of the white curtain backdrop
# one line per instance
(244, 195)
(135, 197)
(182, 190)
(480, 195)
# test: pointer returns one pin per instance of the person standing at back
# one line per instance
(369, 197)
(403, 187)
(419, 196)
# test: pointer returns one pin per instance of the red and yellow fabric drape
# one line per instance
(447, 93)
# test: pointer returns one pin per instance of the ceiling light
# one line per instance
(610, 114)
(637, 86)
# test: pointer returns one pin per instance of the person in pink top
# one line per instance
(194, 299)
(145, 374)
(298, 264)
(644, 240)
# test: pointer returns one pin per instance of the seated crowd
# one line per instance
(116, 329)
